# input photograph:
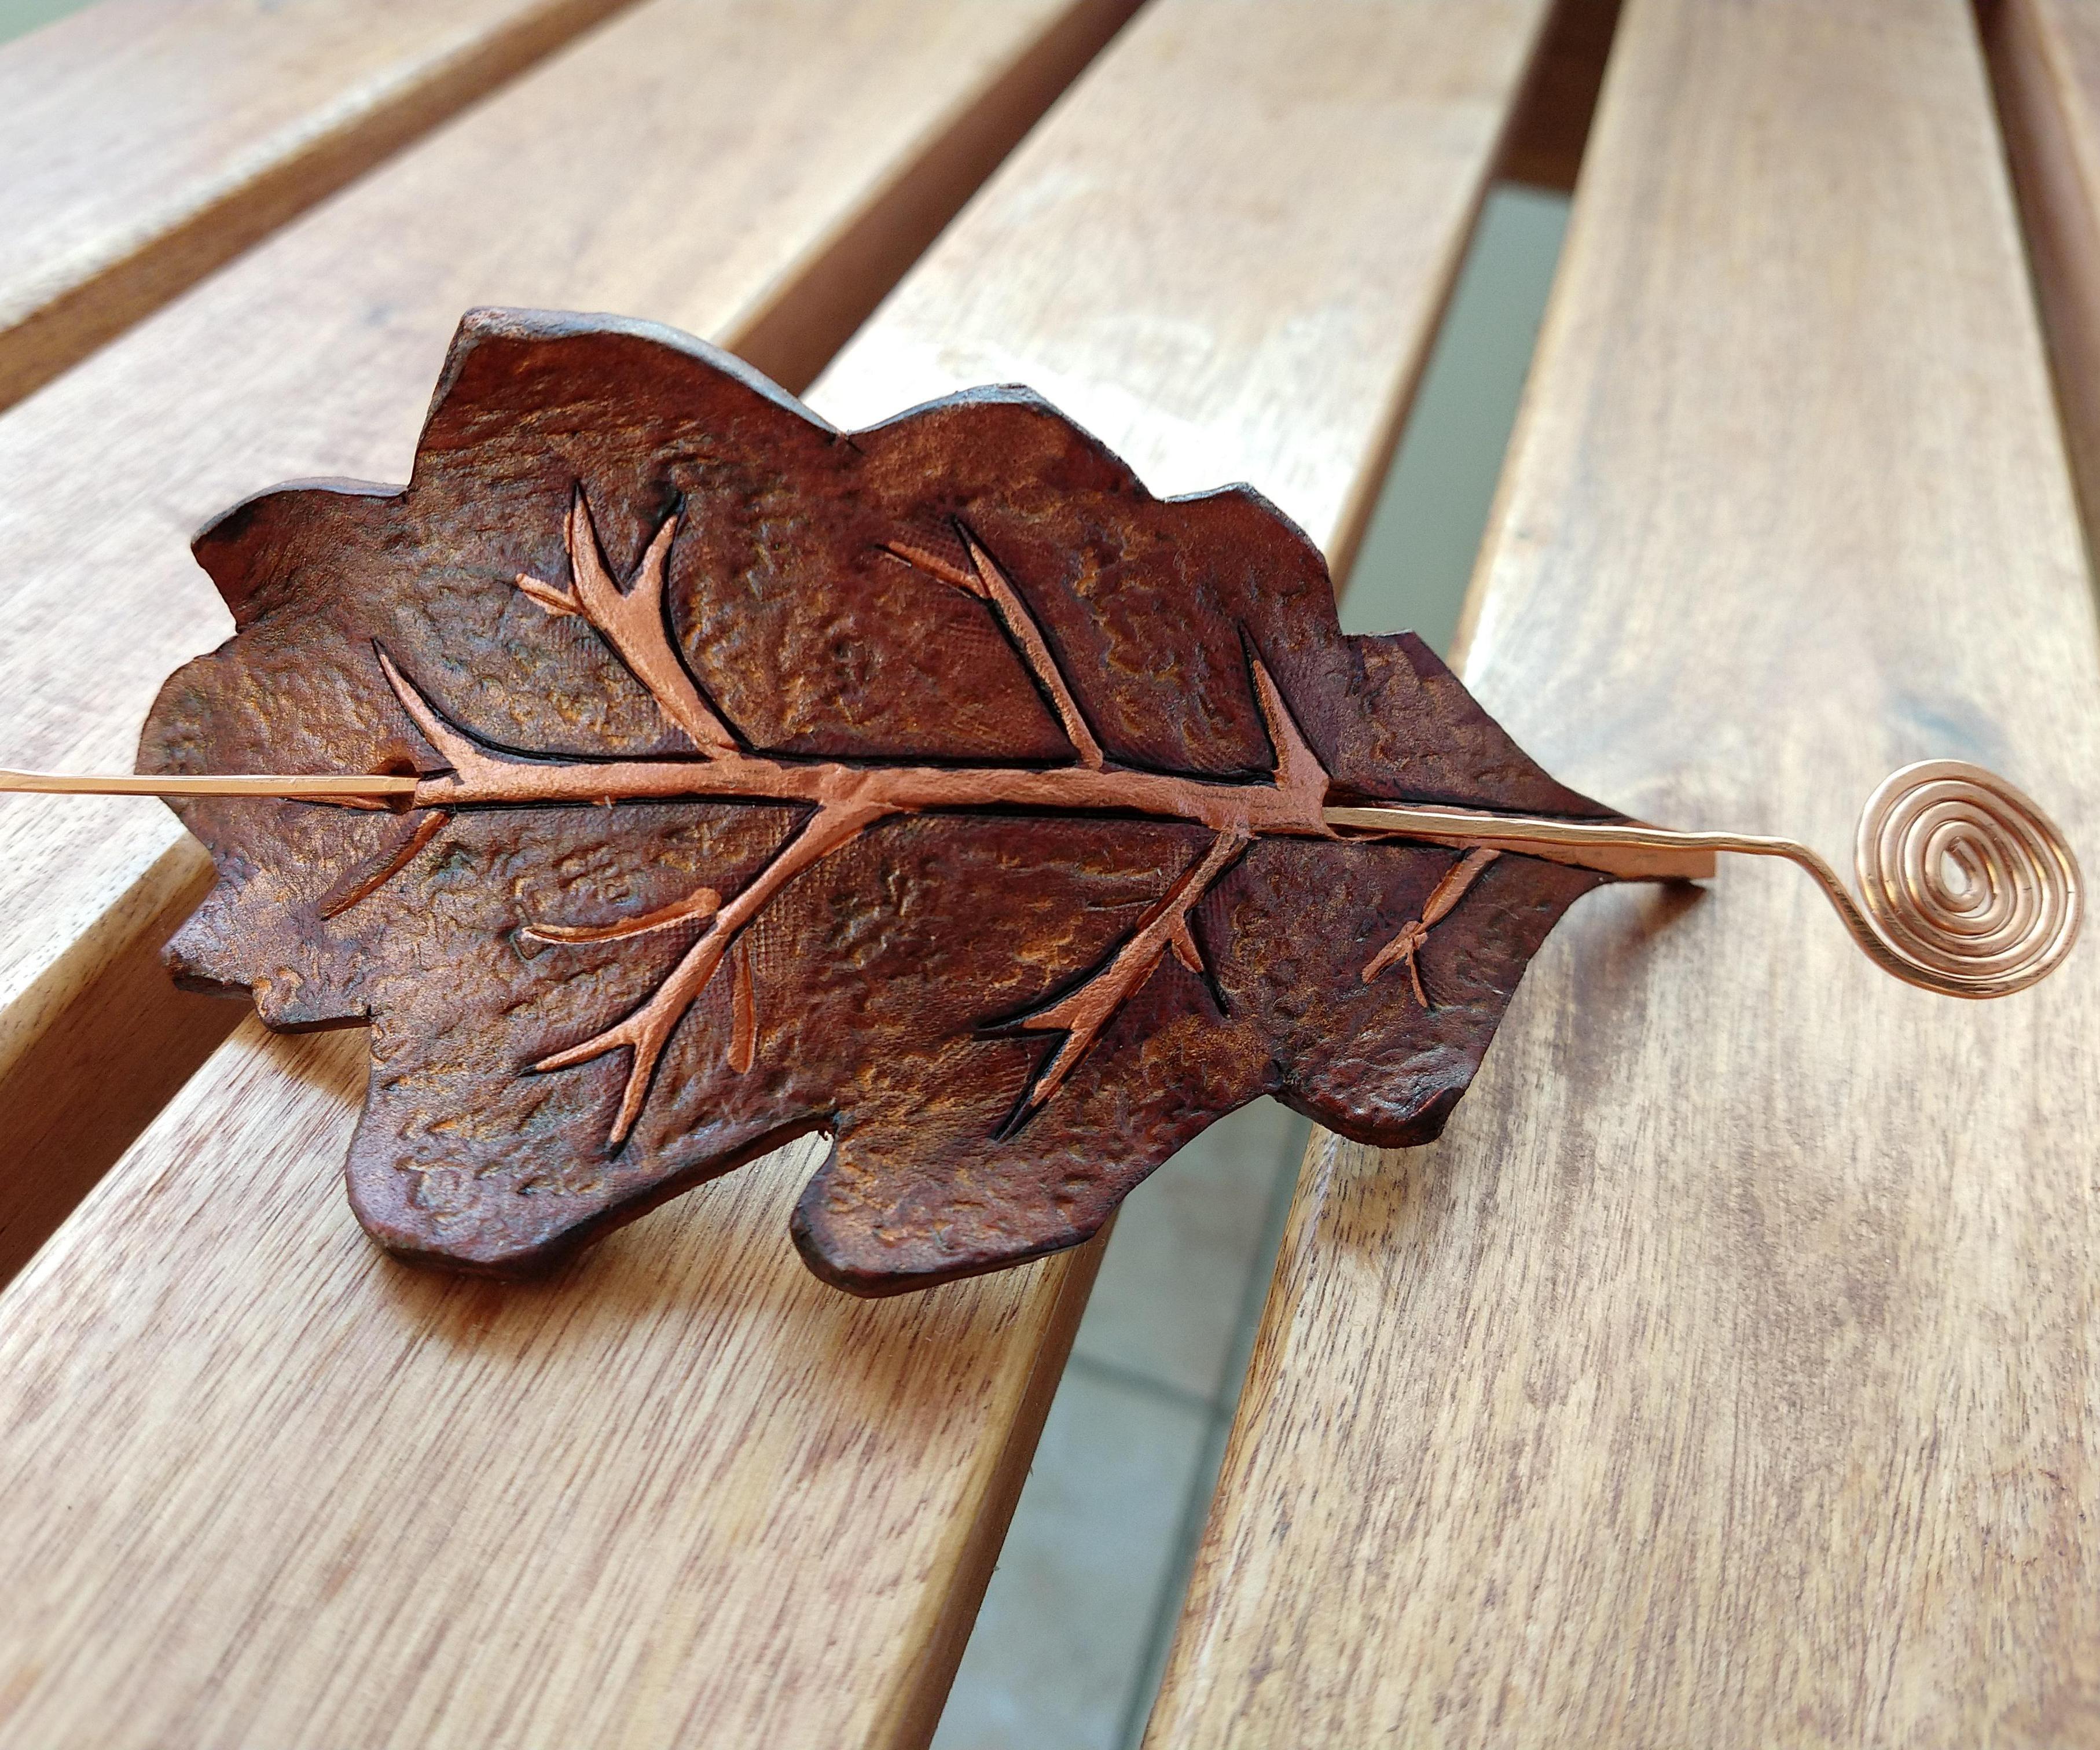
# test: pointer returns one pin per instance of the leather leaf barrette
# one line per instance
(663, 774)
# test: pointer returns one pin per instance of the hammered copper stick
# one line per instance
(1970, 889)
(683, 775)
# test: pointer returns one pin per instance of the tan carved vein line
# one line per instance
(632, 622)
(743, 1006)
(1021, 625)
(702, 902)
(985, 580)
(1443, 896)
(1298, 771)
(356, 885)
(1081, 1013)
(478, 776)
(648, 1029)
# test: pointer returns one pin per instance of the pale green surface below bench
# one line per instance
(18, 18)
(1069, 1646)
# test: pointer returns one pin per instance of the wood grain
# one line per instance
(257, 1484)
(2044, 58)
(645, 1503)
(777, 124)
(1201, 332)
(1726, 1376)
(148, 141)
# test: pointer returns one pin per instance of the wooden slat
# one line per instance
(2045, 57)
(808, 150)
(1726, 1377)
(257, 1484)
(148, 141)
(1203, 335)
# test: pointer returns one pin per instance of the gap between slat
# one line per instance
(1460, 399)
(2044, 64)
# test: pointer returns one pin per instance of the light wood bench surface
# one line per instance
(148, 141)
(257, 1483)
(1726, 1376)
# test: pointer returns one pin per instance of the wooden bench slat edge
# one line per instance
(2044, 59)
(55, 313)
(1387, 1553)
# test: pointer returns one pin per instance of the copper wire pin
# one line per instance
(1965, 887)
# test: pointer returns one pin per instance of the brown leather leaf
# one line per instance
(934, 785)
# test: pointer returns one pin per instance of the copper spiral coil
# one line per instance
(1968, 888)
